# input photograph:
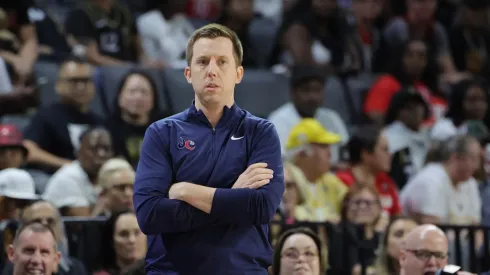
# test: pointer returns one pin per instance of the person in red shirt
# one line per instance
(371, 162)
(409, 66)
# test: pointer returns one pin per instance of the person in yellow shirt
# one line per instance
(308, 161)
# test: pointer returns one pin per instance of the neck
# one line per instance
(212, 112)
(364, 24)
(396, 266)
(363, 174)
(124, 264)
(105, 5)
(135, 120)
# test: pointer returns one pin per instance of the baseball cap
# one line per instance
(11, 136)
(302, 73)
(17, 184)
(309, 131)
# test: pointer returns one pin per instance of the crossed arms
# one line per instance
(163, 207)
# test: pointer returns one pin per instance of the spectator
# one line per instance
(136, 107)
(371, 161)
(299, 248)
(52, 137)
(309, 152)
(450, 193)
(468, 105)
(367, 36)
(20, 49)
(13, 153)
(16, 192)
(307, 96)
(408, 64)
(46, 214)
(387, 262)
(317, 33)
(238, 15)
(108, 30)
(137, 269)
(73, 188)
(292, 200)
(419, 24)
(34, 249)
(123, 244)
(165, 30)
(116, 180)
(363, 222)
(470, 39)
(407, 140)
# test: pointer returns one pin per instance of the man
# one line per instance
(34, 250)
(450, 193)
(52, 137)
(17, 190)
(209, 179)
(307, 96)
(309, 153)
(72, 188)
(13, 153)
(424, 251)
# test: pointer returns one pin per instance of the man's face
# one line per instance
(44, 213)
(120, 190)
(213, 71)
(75, 84)
(11, 158)
(422, 9)
(467, 164)
(308, 97)
(424, 256)
(95, 149)
(34, 254)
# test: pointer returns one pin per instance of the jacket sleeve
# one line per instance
(255, 206)
(156, 213)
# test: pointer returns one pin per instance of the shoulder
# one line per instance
(169, 123)
(281, 112)
(72, 172)
(398, 24)
(259, 126)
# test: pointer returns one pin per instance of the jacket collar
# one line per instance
(230, 115)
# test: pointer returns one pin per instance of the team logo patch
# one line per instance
(186, 143)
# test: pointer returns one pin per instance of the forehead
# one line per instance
(40, 210)
(97, 136)
(213, 47)
(123, 176)
(299, 240)
(75, 69)
(137, 79)
(364, 193)
(126, 221)
(28, 238)
(432, 241)
(406, 225)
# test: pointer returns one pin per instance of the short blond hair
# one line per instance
(213, 31)
(111, 167)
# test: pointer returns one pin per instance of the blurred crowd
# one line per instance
(410, 146)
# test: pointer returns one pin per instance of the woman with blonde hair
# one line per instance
(115, 183)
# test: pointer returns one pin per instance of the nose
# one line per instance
(432, 261)
(132, 239)
(80, 85)
(36, 258)
(128, 191)
(212, 68)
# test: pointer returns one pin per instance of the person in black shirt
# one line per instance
(136, 107)
(108, 30)
(52, 138)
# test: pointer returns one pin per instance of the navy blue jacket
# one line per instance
(233, 238)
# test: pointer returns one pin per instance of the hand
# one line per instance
(465, 273)
(256, 176)
(176, 191)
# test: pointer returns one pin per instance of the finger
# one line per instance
(258, 171)
(256, 165)
(260, 177)
(258, 184)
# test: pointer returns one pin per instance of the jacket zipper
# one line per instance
(213, 141)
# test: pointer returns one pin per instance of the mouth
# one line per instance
(211, 86)
(34, 272)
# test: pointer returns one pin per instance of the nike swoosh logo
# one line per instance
(236, 138)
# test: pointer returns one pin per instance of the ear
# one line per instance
(11, 253)
(187, 74)
(58, 87)
(239, 74)
(57, 258)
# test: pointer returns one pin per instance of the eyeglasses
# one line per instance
(367, 203)
(425, 255)
(77, 80)
(294, 254)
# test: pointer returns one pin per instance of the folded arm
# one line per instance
(244, 205)
(157, 213)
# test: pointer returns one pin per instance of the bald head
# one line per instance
(421, 233)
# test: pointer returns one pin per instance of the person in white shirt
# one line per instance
(72, 188)
(408, 141)
(446, 192)
(307, 95)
